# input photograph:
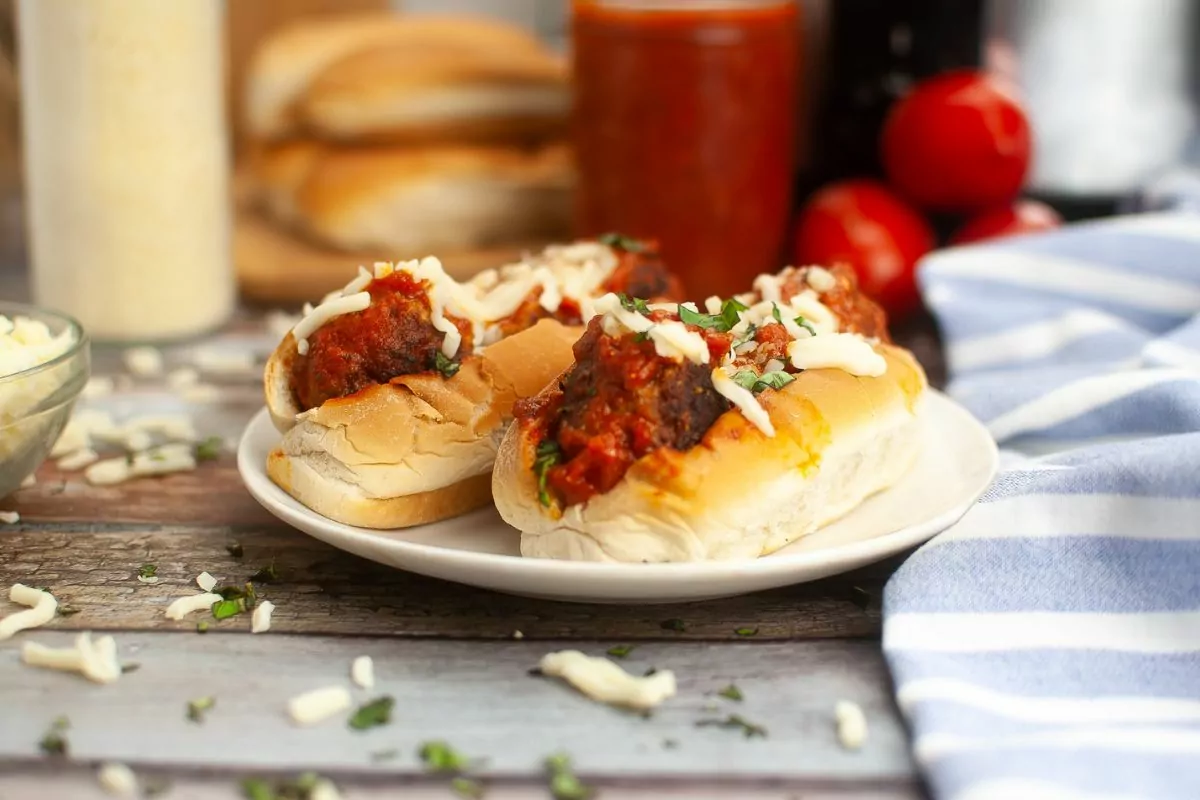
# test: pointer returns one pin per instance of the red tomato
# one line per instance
(863, 224)
(1023, 216)
(957, 142)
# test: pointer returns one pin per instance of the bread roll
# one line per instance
(420, 448)
(738, 494)
(398, 200)
(367, 92)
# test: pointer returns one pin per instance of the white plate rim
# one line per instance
(290, 511)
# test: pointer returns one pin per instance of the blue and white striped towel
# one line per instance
(1048, 645)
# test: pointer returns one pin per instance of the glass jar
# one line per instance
(684, 124)
(126, 164)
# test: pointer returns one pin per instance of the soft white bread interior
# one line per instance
(738, 494)
(378, 74)
(420, 448)
(400, 200)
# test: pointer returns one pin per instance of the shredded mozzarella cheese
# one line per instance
(334, 307)
(319, 705)
(843, 351)
(820, 279)
(78, 459)
(260, 620)
(851, 724)
(118, 780)
(744, 399)
(605, 682)
(10, 517)
(98, 386)
(182, 606)
(97, 661)
(362, 672)
(145, 362)
(42, 608)
(206, 582)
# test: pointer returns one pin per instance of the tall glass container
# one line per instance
(127, 164)
(685, 126)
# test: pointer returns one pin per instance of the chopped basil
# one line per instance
(672, 625)
(752, 381)
(649, 672)
(147, 571)
(639, 338)
(620, 650)
(775, 313)
(860, 597)
(196, 709)
(234, 550)
(749, 729)
(548, 454)
(467, 788)
(267, 574)
(54, 743)
(132, 666)
(448, 367)
(210, 449)
(731, 692)
(373, 714)
(155, 786)
(670, 744)
(729, 316)
(748, 336)
(564, 785)
(67, 611)
(201, 627)
(803, 323)
(302, 788)
(257, 789)
(621, 242)
(746, 631)
(634, 304)
(224, 609)
(438, 756)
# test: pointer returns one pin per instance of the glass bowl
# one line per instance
(36, 403)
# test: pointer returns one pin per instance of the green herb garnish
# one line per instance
(234, 550)
(132, 666)
(547, 455)
(196, 709)
(636, 304)
(210, 448)
(731, 692)
(621, 242)
(746, 631)
(729, 316)
(467, 788)
(748, 336)
(201, 627)
(672, 625)
(564, 785)
(641, 337)
(267, 574)
(54, 743)
(439, 756)
(775, 313)
(257, 789)
(447, 366)
(67, 611)
(224, 609)
(147, 571)
(749, 729)
(373, 714)
(803, 323)
(155, 786)
(303, 788)
(620, 650)
(752, 381)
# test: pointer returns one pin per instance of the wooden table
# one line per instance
(445, 652)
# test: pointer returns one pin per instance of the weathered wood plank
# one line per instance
(323, 590)
(17, 783)
(475, 695)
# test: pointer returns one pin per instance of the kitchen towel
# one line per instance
(1048, 645)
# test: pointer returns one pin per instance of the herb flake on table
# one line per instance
(209, 449)
(224, 609)
(439, 756)
(67, 611)
(747, 631)
(201, 627)
(676, 625)
(732, 692)
(199, 707)
(54, 743)
(467, 788)
(620, 650)
(235, 550)
(132, 666)
(373, 714)
(302, 788)
(267, 574)
(147, 571)
(564, 785)
(735, 721)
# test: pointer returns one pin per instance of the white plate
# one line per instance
(958, 462)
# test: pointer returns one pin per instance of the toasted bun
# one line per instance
(275, 265)
(418, 449)
(400, 200)
(738, 494)
(359, 89)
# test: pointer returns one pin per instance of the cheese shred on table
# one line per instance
(605, 682)
(42, 608)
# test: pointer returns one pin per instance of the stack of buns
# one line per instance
(378, 136)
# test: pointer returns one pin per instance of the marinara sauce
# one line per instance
(684, 126)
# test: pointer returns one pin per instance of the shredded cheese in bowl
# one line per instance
(43, 369)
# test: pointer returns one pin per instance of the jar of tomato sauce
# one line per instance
(684, 125)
